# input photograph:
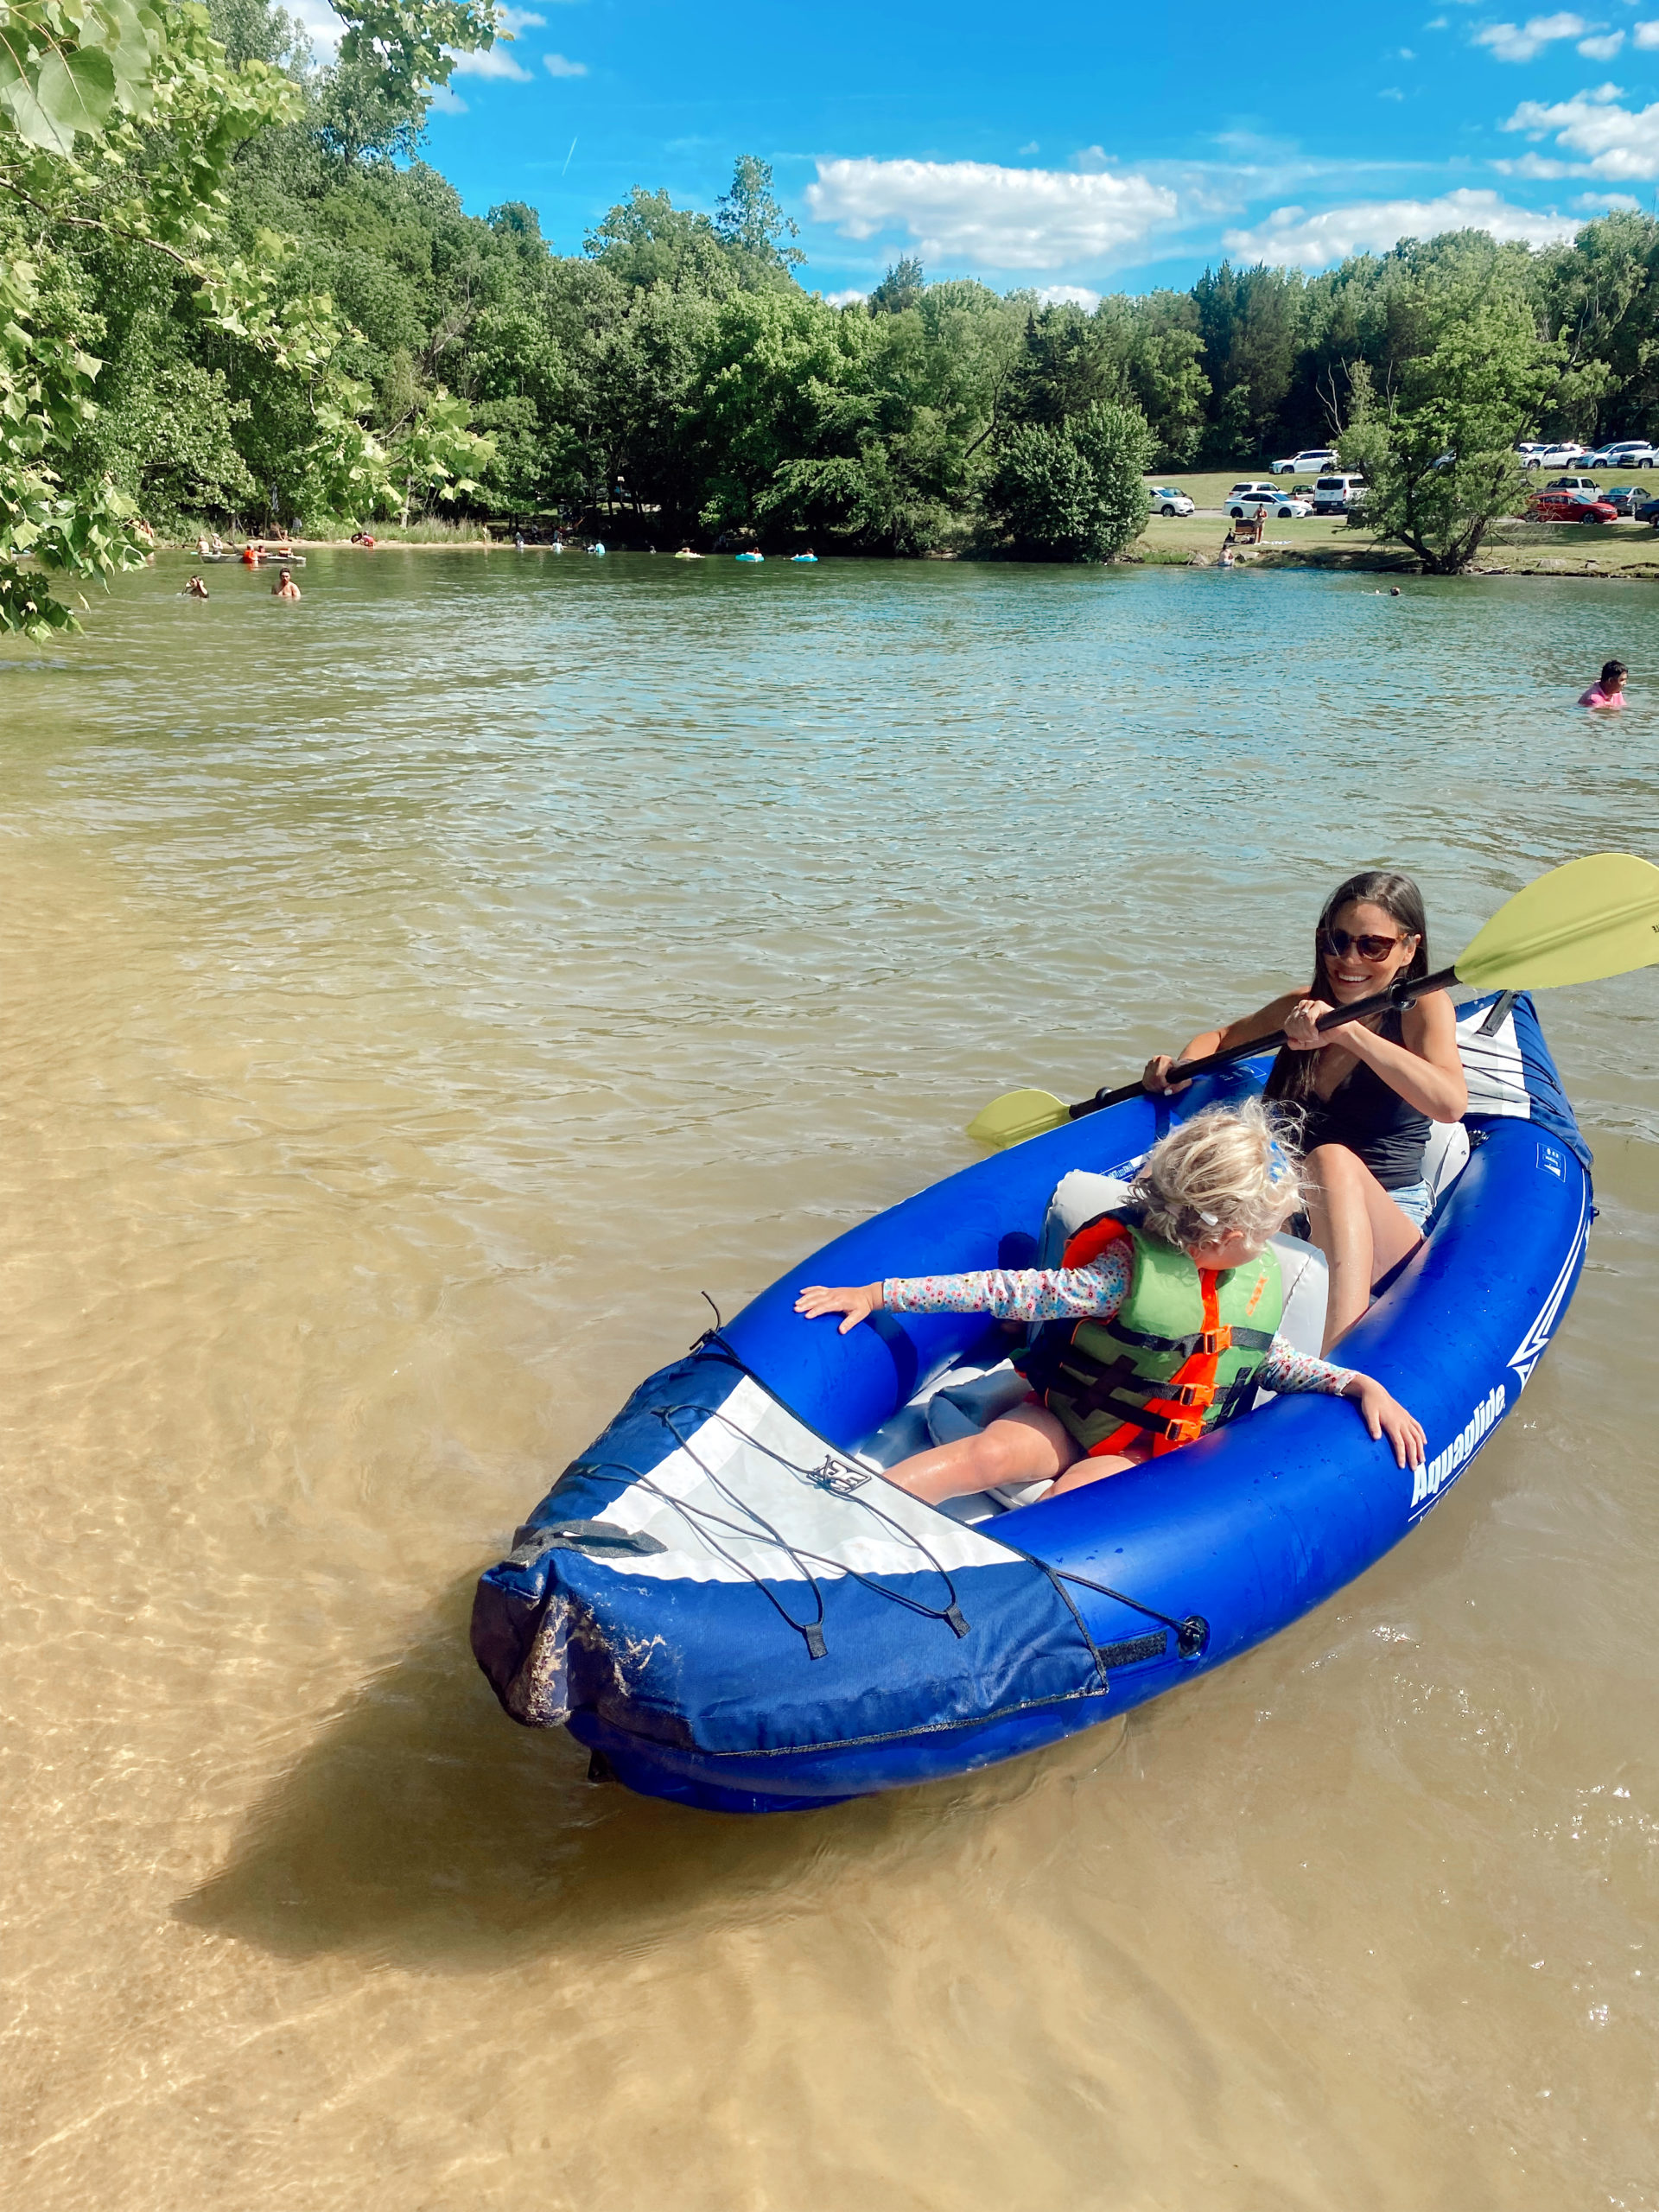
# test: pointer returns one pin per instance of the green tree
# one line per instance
(1437, 456)
(751, 225)
(1074, 492)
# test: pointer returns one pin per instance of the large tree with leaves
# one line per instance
(119, 125)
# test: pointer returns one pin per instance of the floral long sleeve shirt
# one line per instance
(1089, 1293)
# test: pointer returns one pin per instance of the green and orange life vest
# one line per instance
(1180, 1356)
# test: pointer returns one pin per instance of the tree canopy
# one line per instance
(233, 290)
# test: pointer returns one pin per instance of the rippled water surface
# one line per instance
(415, 998)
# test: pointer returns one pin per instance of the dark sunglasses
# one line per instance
(1367, 948)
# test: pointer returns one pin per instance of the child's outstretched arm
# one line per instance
(1285, 1368)
(1013, 1293)
(1384, 1415)
(857, 1304)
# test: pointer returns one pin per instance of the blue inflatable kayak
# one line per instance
(727, 1605)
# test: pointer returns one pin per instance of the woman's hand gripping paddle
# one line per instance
(1589, 919)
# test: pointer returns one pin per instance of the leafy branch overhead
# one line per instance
(120, 129)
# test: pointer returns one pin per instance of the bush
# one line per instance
(1072, 491)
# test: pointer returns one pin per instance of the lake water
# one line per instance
(415, 998)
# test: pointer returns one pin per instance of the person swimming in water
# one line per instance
(1368, 1091)
(1119, 1370)
(285, 587)
(1608, 690)
(194, 589)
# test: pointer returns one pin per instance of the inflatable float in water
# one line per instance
(727, 1603)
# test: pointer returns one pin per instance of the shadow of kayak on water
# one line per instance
(424, 1828)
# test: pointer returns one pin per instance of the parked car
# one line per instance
(1558, 456)
(1625, 498)
(1312, 459)
(1647, 510)
(1527, 448)
(1570, 506)
(1627, 453)
(1262, 498)
(1584, 484)
(1165, 499)
(1334, 495)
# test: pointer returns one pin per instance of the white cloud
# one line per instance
(558, 67)
(1601, 49)
(320, 24)
(845, 299)
(1540, 165)
(1292, 236)
(446, 102)
(1520, 42)
(1617, 142)
(1391, 92)
(490, 61)
(1596, 203)
(1033, 147)
(1644, 35)
(999, 218)
(1069, 295)
(514, 20)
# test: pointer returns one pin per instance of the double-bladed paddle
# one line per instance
(1589, 919)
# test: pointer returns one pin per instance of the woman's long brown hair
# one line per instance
(1294, 1074)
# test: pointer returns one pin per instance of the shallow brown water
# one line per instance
(414, 998)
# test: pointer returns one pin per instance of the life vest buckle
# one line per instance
(1191, 1393)
(1215, 1340)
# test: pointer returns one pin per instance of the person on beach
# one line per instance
(285, 587)
(1608, 690)
(1367, 1093)
(1160, 1323)
(194, 589)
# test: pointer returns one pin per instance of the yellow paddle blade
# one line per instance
(1595, 916)
(1016, 1116)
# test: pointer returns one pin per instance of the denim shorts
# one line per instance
(1416, 1202)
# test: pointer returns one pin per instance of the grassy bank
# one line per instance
(1513, 548)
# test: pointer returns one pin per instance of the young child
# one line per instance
(1161, 1322)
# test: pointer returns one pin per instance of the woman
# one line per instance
(1367, 1093)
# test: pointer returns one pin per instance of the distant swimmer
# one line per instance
(194, 589)
(808, 555)
(285, 587)
(1608, 690)
(686, 553)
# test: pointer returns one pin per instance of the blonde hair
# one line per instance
(1229, 1168)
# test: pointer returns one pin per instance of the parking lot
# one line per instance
(1516, 546)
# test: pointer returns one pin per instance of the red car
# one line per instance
(1570, 506)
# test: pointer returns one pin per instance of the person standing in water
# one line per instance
(1608, 690)
(285, 587)
(1367, 1092)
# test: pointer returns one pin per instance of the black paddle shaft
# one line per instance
(1401, 994)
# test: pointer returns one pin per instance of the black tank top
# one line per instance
(1373, 1120)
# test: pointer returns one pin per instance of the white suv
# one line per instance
(1165, 499)
(1308, 463)
(1629, 452)
(1554, 457)
(1334, 495)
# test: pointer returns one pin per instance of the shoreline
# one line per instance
(1152, 551)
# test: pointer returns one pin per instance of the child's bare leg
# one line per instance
(1358, 1227)
(1084, 1471)
(1027, 1445)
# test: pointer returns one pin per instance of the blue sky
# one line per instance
(1079, 149)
